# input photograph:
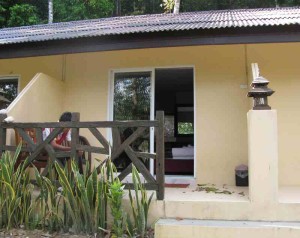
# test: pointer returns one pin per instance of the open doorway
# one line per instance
(174, 94)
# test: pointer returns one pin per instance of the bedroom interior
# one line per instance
(174, 94)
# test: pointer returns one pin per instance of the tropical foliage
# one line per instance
(70, 10)
(16, 207)
(140, 204)
(28, 12)
(79, 206)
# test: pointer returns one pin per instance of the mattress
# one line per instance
(183, 157)
(186, 151)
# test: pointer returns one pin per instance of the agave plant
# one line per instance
(48, 203)
(84, 199)
(139, 206)
(16, 207)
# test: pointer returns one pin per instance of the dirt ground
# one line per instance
(19, 233)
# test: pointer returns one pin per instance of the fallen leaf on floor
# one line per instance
(209, 189)
(224, 192)
(201, 185)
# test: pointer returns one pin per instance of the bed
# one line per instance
(182, 161)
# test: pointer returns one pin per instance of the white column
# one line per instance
(263, 156)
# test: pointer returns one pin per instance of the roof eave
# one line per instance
(246, 35)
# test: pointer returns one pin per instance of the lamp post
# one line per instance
(260, 93)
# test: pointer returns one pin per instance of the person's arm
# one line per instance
(60, 147)
(46, 133)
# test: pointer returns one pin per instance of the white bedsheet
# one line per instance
(184, 157)
(186, 151)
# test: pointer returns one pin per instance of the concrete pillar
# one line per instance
(263, 156)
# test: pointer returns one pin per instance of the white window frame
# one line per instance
(111, 98)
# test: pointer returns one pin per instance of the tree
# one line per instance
(72, 10)
(2, 18)
(28, 12)
(50, 9)
(118, 7)
(137, 7)
(176, 6)
(168, 5)
(23, 14)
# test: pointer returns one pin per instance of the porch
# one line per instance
(43, 86)
(188, 203)
(263, 201)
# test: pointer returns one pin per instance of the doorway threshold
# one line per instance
(180, 179)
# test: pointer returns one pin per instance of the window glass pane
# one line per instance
(185, 128)
(132, 94)
(8, 91)
(132, 97)
(185, 120)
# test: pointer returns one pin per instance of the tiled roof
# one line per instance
(152, 23)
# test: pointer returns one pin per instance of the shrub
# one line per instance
(79, 207)
(139, 206)
(16, 207)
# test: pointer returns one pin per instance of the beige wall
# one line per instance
(27, 68)
(219, 70)
(221, 105)
(279, 63)
(41, 100)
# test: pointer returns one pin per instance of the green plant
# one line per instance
(168, 5)
(140, 207)
(16, 207)
(80, 207)
(48, 203)
(84, 199)
(115, 195)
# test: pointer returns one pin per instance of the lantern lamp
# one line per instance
(260, 93)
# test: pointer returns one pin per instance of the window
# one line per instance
(132, 101)
(185, 128)
(8, 90)
(184, 120)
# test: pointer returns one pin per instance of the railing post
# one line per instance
(160, 155)
(2, 134)
(75, 136)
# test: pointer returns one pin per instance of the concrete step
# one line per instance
(185, 228)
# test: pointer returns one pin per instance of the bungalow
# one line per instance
(196, 67)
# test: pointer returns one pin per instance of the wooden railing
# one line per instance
(118, 146)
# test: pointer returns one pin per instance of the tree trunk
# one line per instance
(50, 11)
(118, 7)
(176, 7)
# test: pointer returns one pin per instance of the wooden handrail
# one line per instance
(87, 124)
(118, 146)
